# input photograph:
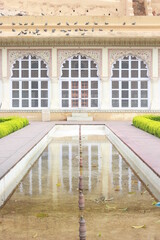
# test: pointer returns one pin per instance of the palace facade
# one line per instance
(105, 65)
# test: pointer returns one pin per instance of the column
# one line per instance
(105, 83)
(154, 85)
(55, 87)
(6, 96)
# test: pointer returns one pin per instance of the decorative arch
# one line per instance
(94, 54)
(143, 54)
(80, 82)
(29, 83)
(13, 55)
(130, 83)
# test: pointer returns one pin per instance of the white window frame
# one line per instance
(80, 79)
(30, 79)
(130, 79)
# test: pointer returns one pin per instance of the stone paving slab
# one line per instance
(145, 145)
(16, 145)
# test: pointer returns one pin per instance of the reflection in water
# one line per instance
(68, 168)
(57, 184)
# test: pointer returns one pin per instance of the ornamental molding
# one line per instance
(143, 54)
(13, 55)
(64, 54)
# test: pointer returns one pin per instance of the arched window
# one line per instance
(79, 83)
(29, 83)
(130, 83)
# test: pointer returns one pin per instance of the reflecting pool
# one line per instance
(59, 200)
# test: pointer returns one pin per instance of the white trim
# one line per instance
(130, 79)
(30, 79)
(79, 79)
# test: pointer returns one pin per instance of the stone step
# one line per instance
(80, 117)
(79, 114)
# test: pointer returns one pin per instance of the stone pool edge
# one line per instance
(12, 178)
(147, 175)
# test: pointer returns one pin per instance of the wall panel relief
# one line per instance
(64, 54)
(144, 54)
(45, 55)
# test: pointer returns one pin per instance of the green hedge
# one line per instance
(11, 124)
(148, 123)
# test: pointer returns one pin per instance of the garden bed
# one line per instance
(11, 124)
(148, 123)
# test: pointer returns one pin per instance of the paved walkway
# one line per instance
(145, 145)
(14, 146)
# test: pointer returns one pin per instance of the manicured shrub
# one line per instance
(11, 124)
(148, 123)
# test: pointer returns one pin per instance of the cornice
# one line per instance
(81, 41)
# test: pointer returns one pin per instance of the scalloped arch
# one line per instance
(144, 55)
(83, 55)
(112, 67)
(94, 54)
(17, 54)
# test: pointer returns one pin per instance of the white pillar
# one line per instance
(155, 85)
(105, 83)
(5, 82)
(55, 91)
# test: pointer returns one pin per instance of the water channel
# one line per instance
(59, 199)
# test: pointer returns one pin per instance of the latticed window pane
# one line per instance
(115, 103)
(75, 103)
(15, 103)
(129, 83)
(44, 103)
(65, 85)
(25, 85)
(94, 103)
(65, 94)
(84, 103)
(84, 94)
(94, 85)
(25, 94)
(15, 85)
(74, 94)
(34, 65)
(115, 94)
(82, 77)
(134, 103)
(15, 94)
(25, 71)
(75, 85)
(74, 64)
(15, 74)
(74, 73)
(25, 103)
(65, 73)
(25, 64)
(84, 73)
(34, 103)
(84, 85)
(94, 94)
(65, 103)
